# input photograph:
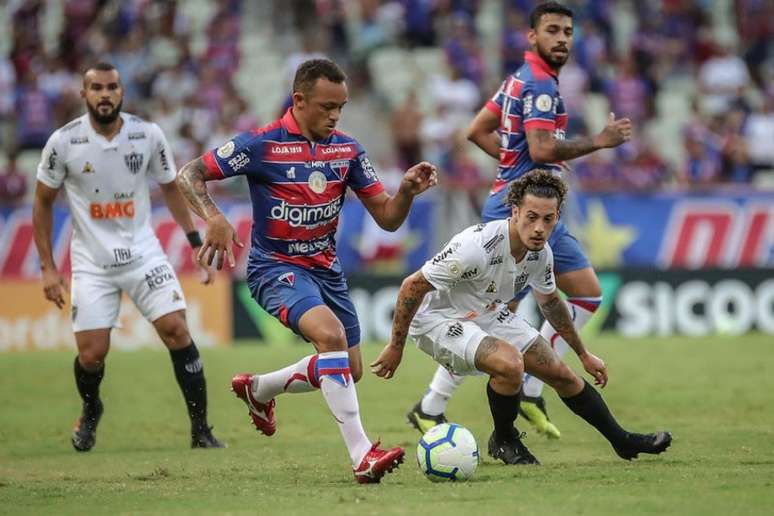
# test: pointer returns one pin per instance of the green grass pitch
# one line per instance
(716, 396)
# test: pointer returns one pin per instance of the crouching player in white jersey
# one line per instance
(455, 309)
(104, 159)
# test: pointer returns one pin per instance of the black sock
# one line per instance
(589, 405)
(88, 384)
(189, 372)
(504, 410)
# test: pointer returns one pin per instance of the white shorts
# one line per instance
(152, 286)
(453, 342)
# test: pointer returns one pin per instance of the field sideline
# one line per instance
(714, 394)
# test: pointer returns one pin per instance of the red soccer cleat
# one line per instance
(262, 414)
(377, 463)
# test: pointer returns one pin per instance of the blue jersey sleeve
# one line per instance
(539, 104)
(362, 177)
(240, 155)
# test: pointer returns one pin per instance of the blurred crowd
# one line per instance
(636, 57)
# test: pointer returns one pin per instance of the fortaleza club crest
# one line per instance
(133, 162)
(289, 279)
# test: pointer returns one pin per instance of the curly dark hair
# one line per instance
(313, 69)
(547, 8)
(540, 183)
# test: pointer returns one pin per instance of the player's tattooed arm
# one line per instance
(191, 180)
(220, 235)
(412, 291)
(544, 148)
(556, 313)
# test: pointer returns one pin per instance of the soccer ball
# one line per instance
(447, 452)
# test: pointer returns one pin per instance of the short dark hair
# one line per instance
(102, 66)
(309, 71)
(540, 183)
(547, 8)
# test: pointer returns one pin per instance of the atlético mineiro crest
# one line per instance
(289, 279)
(133, 162)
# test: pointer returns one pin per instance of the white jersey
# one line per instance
(107, 189)
(475, 276)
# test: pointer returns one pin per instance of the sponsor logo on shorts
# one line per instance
(289, 279)
(176, 296)
(455, 330)
(159, 276)
(504, 315)
(496, 260)
(122, 254)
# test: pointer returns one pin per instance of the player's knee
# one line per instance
(175, 334)
(509, 368)
(93, 358)
(330, 338)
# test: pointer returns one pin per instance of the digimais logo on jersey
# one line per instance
(306, 215)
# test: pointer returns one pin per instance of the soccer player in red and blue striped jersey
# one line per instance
(298, 169)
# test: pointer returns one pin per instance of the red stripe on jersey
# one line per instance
(212, 165)
(281, 229)
(266, 128)
(293, 152)
(539, 124)
(295, 193)
(492, 106)
(514, 126)
(514, 89)
(508, 157)
(498, 185)
(322, 259)
(370, 190)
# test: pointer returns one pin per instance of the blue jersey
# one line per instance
(297, 189)
(528, 99)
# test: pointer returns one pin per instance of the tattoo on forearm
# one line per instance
(191, 182)
(556, 313)
(409, 298)
(567, 149)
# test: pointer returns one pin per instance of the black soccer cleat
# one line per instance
(634, 444)
(421, 421)
(203, 438)
(85, 431)
(511, 450)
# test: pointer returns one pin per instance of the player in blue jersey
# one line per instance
(523, 127)
(298, 169)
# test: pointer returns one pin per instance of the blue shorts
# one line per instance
(568, 254)
(287, 292)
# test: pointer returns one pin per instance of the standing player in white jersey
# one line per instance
(456, 306)
(104, 159)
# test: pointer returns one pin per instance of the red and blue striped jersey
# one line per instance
(297, 189)
(528, 99)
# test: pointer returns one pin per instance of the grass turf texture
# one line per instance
(713, 394)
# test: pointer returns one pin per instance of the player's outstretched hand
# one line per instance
(207, 276)
(217, 242)
(387, 362)
(54, 287)
(419, 178)
(596, 367)
(615, 132)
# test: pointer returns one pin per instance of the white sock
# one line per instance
(339, 392)
(293, 378)
(581, 310)
(442, 388)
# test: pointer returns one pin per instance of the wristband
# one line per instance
(194, 239)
